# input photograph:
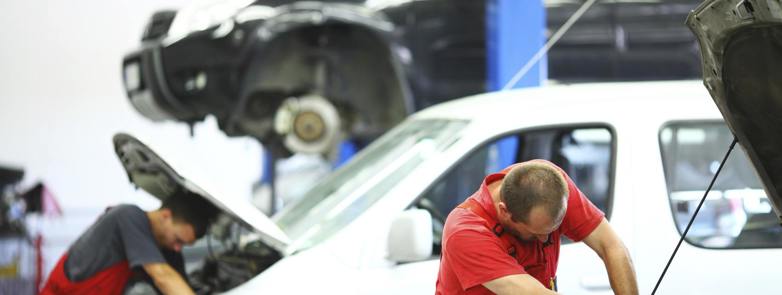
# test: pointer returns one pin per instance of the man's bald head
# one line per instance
(533, 184)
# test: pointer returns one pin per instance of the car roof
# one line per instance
(665, 100)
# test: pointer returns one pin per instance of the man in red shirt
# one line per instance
(505, 238)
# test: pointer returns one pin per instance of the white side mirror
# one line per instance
(411, 238)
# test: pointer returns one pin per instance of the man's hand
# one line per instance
(167, 279)
(606, 243)
(517, 284)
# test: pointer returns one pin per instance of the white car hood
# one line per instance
(150, 172)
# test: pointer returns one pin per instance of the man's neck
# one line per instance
(152, 216)
(154, 221)
(494, 191)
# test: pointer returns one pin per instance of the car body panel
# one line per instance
(354, 259)
(240, 61)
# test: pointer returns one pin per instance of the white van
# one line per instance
(642, 152)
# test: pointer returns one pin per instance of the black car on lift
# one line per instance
(302, 75)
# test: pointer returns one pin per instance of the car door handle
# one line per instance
(595, 283)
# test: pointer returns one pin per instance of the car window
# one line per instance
(340, 198)
(736, 213)
(586, 154)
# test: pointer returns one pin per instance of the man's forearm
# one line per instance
(517, 284)
(621, 272)
(173, 286)
(166, 279)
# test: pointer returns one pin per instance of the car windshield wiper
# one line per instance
(694, 214)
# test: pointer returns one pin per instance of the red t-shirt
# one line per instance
(473, 254)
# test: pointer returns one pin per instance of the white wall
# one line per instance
(61, 100)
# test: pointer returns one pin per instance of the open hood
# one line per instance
(741, 48)
(150, 172)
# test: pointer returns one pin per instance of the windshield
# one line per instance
(344, 195)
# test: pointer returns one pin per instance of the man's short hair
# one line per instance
(531, 184)
(193, 209)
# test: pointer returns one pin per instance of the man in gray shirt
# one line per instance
(125, 239)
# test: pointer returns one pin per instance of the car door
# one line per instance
(733, 244)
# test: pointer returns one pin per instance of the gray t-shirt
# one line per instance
(122, 233)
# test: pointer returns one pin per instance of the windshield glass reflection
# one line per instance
(344, 195)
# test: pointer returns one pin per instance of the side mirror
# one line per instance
(411, 238)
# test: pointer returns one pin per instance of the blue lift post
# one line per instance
(515, 31)
(267, 178)
(346, 151)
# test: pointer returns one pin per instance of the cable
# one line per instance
(694, 214)
(554, 38)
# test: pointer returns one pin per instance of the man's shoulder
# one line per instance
(123, 214)
(124, 210)
(464, 222)
(466, 232)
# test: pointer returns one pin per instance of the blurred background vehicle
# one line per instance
(301, 76)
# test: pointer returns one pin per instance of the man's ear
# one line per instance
(503, 209)
(165, 213)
